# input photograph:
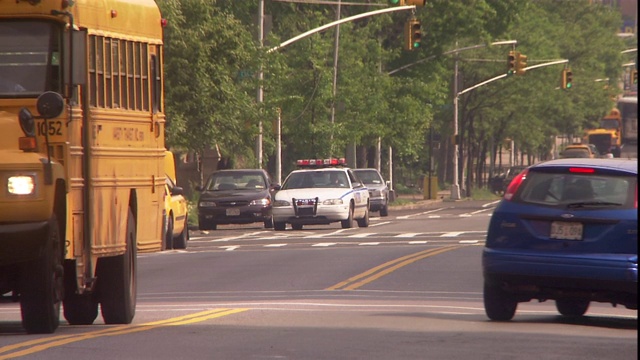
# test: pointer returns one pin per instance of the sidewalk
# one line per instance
(417, 201)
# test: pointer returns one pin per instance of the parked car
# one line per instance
(238, 196)
(176, 209)
(321, 192)
(378, 189)
(498, 184)
(566, 230)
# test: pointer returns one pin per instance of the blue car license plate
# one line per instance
(566, 230)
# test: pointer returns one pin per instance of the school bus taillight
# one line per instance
(27, 143)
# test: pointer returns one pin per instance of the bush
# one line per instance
(402, 189)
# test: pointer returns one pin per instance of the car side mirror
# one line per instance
(199, 188)
(276, 187)
(177, 190)
(388, 183)
(357, 184)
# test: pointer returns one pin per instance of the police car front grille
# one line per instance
(305, 207)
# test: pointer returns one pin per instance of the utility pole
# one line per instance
(260, 79)
(336, 46)
(455, 187)
(279, 146)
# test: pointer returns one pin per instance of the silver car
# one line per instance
(378, 189)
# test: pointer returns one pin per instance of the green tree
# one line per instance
(209, 100)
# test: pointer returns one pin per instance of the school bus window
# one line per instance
(138, 83)
(26, 58)
(116, 72)
(107, 73)
(144, 61)
(93, 75)
(154, 87)
(123, 74)
(158, 79)
(100, 70)
(130, 79)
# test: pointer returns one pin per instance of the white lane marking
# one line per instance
(479, 211)
(434, 216)
(325, 235)
(229, 248)
(465, 215)
(491, 203)
(361, 235)
(452, 234)
(418, 242)
(275, 245)
(421, 213)
(407, 235)
(324, 244)
(238, 237)
(369, 244)
(468, 242)
(378, 224)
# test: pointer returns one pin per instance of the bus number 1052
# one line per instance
(51, 127)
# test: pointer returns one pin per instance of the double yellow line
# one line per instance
(37, 345)
(388, 267)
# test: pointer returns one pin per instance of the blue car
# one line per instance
(566, 230)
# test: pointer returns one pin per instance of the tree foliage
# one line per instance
(209, 43)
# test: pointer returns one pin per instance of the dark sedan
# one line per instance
(238, 196)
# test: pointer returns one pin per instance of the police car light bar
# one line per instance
(321, 162)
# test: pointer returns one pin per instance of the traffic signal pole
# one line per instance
(455, 188)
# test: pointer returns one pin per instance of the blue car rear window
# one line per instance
(578, 189)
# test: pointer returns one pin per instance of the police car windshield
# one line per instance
(316, 179)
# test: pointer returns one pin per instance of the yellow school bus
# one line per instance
(81, 155)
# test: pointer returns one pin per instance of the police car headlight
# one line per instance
(281, 203)
(207, 204)
(260, 202)
(21, 185)
(332, 202)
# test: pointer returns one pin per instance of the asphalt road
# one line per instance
(407, 287)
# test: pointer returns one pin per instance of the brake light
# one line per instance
(582, 170)
(515, 184)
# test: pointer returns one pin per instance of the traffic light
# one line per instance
(511, 62)
(634, 77)
(521, 64)
(397, 2)
(567, 79)
(412, 34)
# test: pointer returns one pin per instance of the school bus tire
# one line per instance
(116, 281)
(78, 309)
(42, 285)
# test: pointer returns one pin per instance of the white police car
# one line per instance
(321, 192)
